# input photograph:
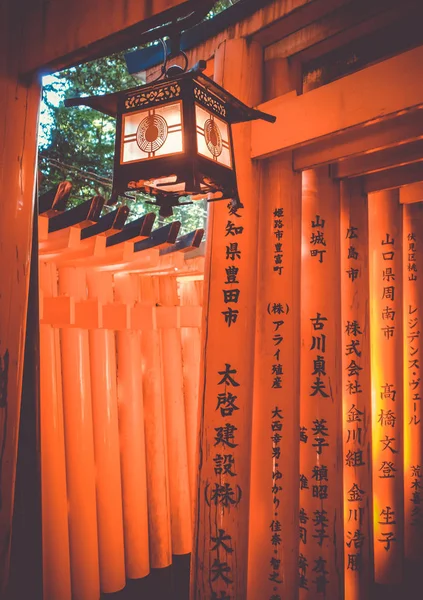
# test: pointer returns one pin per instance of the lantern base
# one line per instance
(167, 201)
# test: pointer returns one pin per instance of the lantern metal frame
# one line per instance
(202, 176)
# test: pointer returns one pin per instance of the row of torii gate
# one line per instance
(306, 477)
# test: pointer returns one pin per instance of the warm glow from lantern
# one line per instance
(151, 133)
(212, 137)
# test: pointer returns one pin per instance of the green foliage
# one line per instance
(219, 6)
(79, 142)
(81, 138)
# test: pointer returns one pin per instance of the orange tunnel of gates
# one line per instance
(116, 458)
(332, 457)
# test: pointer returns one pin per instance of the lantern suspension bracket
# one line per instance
(168, 72)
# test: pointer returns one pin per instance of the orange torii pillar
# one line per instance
(413, 442)
(273, 541)
(132, 438)
(356, 392)
(79, 443)
(386, 331)
(219, 557)
(56, 561)
(20, 103)
(173, 393)
(106, 441)
(321, 562)
(155, 433)
(191, 295)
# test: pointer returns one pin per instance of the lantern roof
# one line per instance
(240, 112)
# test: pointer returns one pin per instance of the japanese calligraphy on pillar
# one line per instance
(413, 447)
(320, 483)
(231, 291)
(272, 564)
(223, 491)
(356, 392)
(387, 382)
(219, 559)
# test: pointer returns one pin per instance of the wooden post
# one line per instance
(356, 392)
(273, 541)
(132, 437)
(27, 546)
(80, 465)
(321, 458)
(155, 437)
(106, 442)
(56, 561)
(412, 240)
(386, 327)
(173, 392)
(19, 106)
(219, 556)
(191, 352)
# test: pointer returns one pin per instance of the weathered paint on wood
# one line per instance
(19, 104)
(219, 556)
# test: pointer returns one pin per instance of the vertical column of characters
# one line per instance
(385, 234)
(223, 492)
(276, 417)
(321, 550)
(220, 551)
(273, 540)
(413, 443)
(226, 430)
(356, 391)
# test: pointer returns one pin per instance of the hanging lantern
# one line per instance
(173, 137)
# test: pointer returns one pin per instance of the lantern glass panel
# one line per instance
(213, 140)
(147, 134)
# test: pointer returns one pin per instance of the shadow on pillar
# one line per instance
(171, 583)
(25, 579)
(410, 588)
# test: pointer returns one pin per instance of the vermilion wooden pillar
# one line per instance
(191, 351)
(356, 392)
(19, 105)
(132, 436)
(386, 330)
(219, 557)
(155, 435)
(55, 527)
(412, 240)
(79, 444)
(320, 436)
(173, 394)
(106, 442)
(273, 541)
